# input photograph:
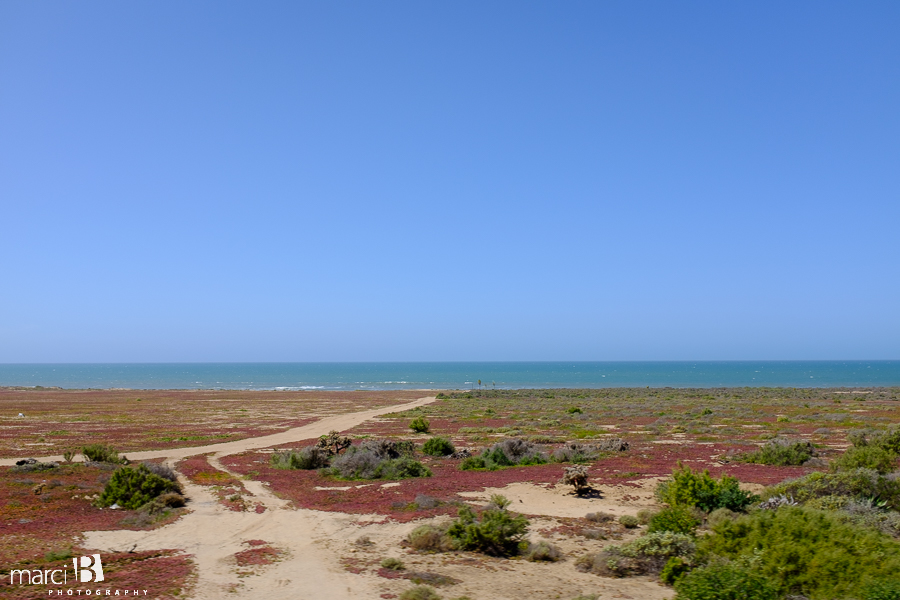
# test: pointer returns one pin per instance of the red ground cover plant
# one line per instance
(164, 574)
(259, 555)
(395, 501)
(32, 525)
(229, 491)
(56, 420)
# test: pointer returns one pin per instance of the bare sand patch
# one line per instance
(559, 501)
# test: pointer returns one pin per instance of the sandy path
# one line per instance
(213, 534)
(314, 542)
(306, 432)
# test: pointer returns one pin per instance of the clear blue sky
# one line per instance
(283, 181)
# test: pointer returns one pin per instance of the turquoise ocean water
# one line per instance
(454, 375)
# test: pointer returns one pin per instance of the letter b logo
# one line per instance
(89, 572)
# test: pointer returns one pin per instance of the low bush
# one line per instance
(629, 521)
(131, 488)
(101, 453)
(543, 552)
(719, 515)
(394, 564)
(420, 425)
(805, 551)
(889, 439)
(429, 538)
(866, 457)
(495, 531)
(725, 581)
(574, 452)
(689, 488)
(438, 446)
(508, 453)
(390, 448)
(364, 462)
(161, 470)
(865, 513)
(420, 592)
(858, 483)
(311, 457)
(674, 569)
(334, 443)
(646, 554)
(885, 589)
(678, 519)
(781, 452)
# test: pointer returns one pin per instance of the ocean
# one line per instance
(453, 375)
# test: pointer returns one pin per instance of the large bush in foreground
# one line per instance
(806, 551)
(131, 488)
(728, 581)
(495, 531)
(691, 488)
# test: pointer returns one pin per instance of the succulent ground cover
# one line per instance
(56, 420)
(704, 429)
(42, 530)
(229, 490)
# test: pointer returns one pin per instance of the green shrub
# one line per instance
(543, 552)
(858, 483)
(675, 568)
(101, 453)
(689, 488)
(725, 582)
(438, 446)
(428, 538)
(420, 425)
(574, 410)
(401, 468)
(508, 453)
(629, 521)
(646, 554)
(132, 488)
(888, 439)
(495, 531)
(394, 564)
(311, 457)
(420, 592)
(373, 462)
(866, 457)
(678, 519)
(472, 463)
(806, 551)
(885, 589)
(781, 452)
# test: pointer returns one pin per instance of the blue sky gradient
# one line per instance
(223, 181)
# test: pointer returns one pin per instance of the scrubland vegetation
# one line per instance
(821, 523)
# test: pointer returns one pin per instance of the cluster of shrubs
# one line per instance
(137, 487)
(781, 452)
(494, 531)
(827, 535)
(508, 453)
(372, 459)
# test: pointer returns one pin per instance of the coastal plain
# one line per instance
(253, 530)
